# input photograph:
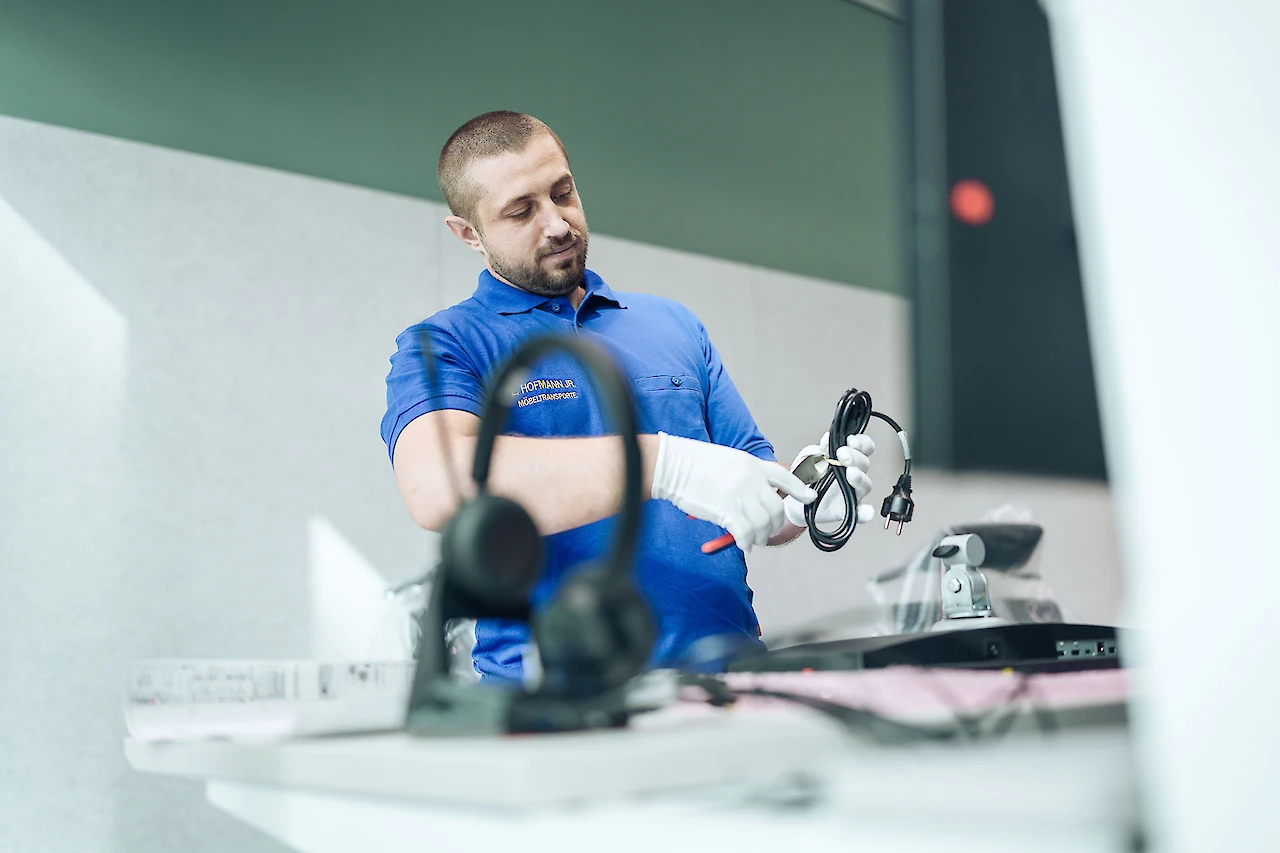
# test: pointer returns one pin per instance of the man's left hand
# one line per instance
(855, 456)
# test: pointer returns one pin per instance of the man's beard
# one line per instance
(534, 278)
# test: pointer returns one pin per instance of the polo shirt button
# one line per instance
(677, 381)
(555, 307)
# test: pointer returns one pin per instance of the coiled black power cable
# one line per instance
(852, 415)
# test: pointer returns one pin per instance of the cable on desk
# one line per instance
(858, 721)
(886, 730)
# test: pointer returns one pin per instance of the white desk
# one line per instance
(723, 780)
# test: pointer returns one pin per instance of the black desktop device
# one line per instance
(1036, 647)
(975, 642)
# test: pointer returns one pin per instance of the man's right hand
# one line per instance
(725, 486)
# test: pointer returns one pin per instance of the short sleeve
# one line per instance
(729, 422)
(458, 384)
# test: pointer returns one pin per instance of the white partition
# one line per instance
(1171, 118)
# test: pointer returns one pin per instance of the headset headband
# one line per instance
(613, 390)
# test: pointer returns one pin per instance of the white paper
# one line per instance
(264, 699)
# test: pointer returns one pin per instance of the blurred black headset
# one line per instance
(597, 631)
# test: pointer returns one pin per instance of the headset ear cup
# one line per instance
(493, 555)
(594, 635)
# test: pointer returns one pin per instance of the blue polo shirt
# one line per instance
(681, 388)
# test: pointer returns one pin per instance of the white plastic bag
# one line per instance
(907, 598)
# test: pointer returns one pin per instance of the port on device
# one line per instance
(1086, 648)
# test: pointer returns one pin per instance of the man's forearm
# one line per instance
(567, 482)
(788, 533)
(562, 482)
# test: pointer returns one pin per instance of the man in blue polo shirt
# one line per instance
(506, 179)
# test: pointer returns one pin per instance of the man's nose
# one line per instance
(554, 226)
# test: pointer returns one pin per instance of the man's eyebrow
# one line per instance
(525, 197)
(567, 176)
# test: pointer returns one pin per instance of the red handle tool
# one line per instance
(717, 544)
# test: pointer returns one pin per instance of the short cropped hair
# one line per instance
(484, 136)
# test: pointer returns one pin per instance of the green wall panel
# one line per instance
(765, 131)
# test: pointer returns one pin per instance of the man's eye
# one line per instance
(565, 196)
(521, 214)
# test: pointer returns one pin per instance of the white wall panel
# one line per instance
(62, 364)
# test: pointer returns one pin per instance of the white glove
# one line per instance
(855, 455)
(725, 486)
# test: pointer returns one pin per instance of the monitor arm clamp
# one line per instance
(966, 602)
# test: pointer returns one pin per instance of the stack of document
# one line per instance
(259, 700)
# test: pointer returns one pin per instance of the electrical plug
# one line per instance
(898, 506)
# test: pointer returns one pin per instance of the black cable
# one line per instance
(997, 721)
(1046, 719)
(906, 462)
(859, 721)
(853, 413)
(970, 724)
(1007, 713)
(718, 693)
(1000, 718)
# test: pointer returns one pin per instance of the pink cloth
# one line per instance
(913, 694)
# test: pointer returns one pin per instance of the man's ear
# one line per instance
(466, 232)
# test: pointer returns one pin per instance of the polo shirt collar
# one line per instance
(501, 297)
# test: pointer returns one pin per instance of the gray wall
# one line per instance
(761, 131)
(192, 356)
